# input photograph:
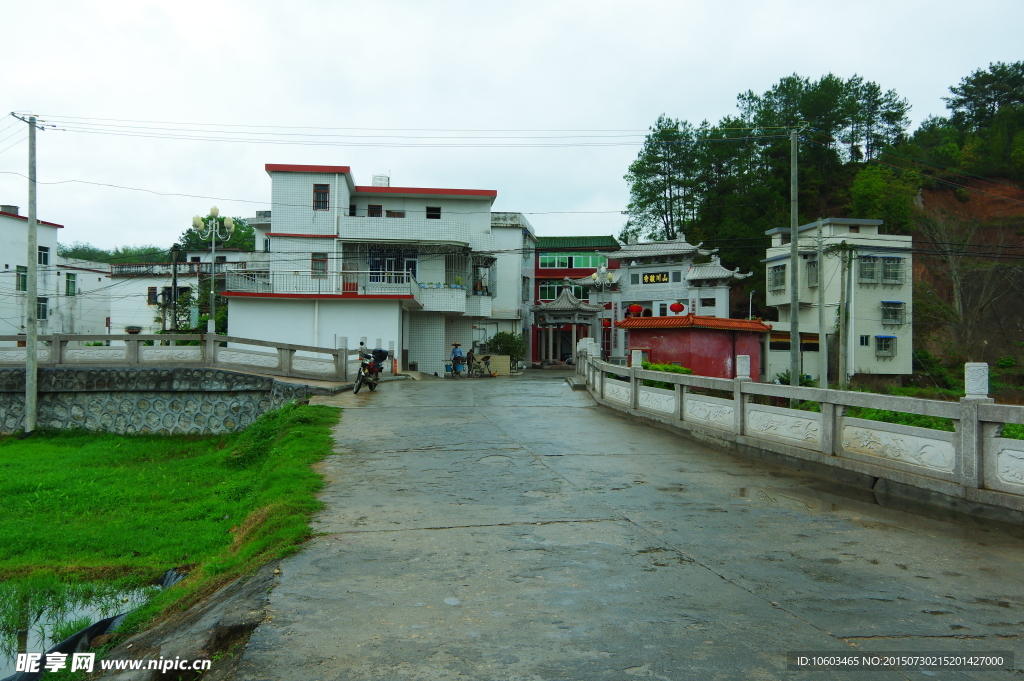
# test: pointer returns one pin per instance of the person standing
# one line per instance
(457, 357)
(470, 358)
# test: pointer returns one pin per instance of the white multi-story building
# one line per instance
(879, 297)
(514, 242)
(71, 294)
(405, 265)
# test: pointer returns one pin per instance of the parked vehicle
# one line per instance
(371, 365)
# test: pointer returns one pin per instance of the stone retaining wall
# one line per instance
(166, 401)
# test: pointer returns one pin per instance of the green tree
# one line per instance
(85, 251)
(511, 344)
(662, 182)
(879, 194)
(979, 97)
(243, 238)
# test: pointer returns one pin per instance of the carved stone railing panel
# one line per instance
(906, 445)
(658, 400)
(617, 391)
(785, 424)
(709, 410)
(247, 358)
(177, 353)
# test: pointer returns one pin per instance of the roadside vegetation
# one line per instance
(87, 513)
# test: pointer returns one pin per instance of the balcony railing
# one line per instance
(160, 269)
(403, 230)
(363, 283)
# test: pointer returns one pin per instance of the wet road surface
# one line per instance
(512, 529)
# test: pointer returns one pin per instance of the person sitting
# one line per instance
(457, 357)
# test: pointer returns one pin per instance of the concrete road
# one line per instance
(512, 529)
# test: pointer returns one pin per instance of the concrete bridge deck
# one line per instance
(512, 529)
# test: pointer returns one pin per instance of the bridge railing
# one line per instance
(184, 350)
(974, 461)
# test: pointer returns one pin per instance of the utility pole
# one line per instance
(843, 273)
(174, 286)
(31, 290)
(794, 278)
(822, 334)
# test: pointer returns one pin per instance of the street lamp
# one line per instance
(210, 228)
(750, 304)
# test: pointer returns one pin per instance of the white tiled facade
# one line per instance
(879, 296)
(415, 267)
(73, 295)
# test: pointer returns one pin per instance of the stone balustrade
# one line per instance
(973, 464)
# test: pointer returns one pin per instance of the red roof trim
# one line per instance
(694, 321)
(491, 193)
(291, 168)
(346, 296)
(308, 236)
(38, 221)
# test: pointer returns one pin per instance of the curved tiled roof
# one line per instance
(688, 321)
(714, 270)
(656, 249)
(567, 301)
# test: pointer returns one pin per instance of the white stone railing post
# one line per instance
(634, 386)
(343, 358)
(971, 446)
(739, 400)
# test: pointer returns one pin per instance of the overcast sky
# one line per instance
(608, 67)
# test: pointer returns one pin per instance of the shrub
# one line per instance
(667, 368)
(1006, 362)
(805, 380)
(511, 344)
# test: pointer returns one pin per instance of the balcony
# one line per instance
(349, 284)
(403, 230)
(443, 300)
(478, 306)
(164, 269)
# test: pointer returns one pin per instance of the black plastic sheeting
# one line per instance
(79, 642)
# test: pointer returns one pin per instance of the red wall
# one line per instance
(709, 352)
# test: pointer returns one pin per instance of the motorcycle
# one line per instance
(371, 365)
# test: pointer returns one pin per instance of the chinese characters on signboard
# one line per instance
(656, 278)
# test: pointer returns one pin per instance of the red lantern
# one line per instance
(606, 323)
(676, 307)
(634, 309)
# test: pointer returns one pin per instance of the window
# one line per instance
(893, 313)
(194, 258)
(42, 308)
(777, 278)
(70, 283)
(151, 295)
(395, 214)
(165, 295)
(266, 244)
(865, 341)
(44, 255)
(221, 258)
(21, 274)
(634, 279)
(885, 346)
(374, 211)
(869, 271)
(892, 271)
(351, 210)
(433, 212)
(677, 276)
(321, 197)
(549, 291)
(854, 229)
(319, 265)
(812, 273)
(707, 302)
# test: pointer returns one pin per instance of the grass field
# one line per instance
(85, 509)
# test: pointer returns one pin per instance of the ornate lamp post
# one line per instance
(211, 228)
